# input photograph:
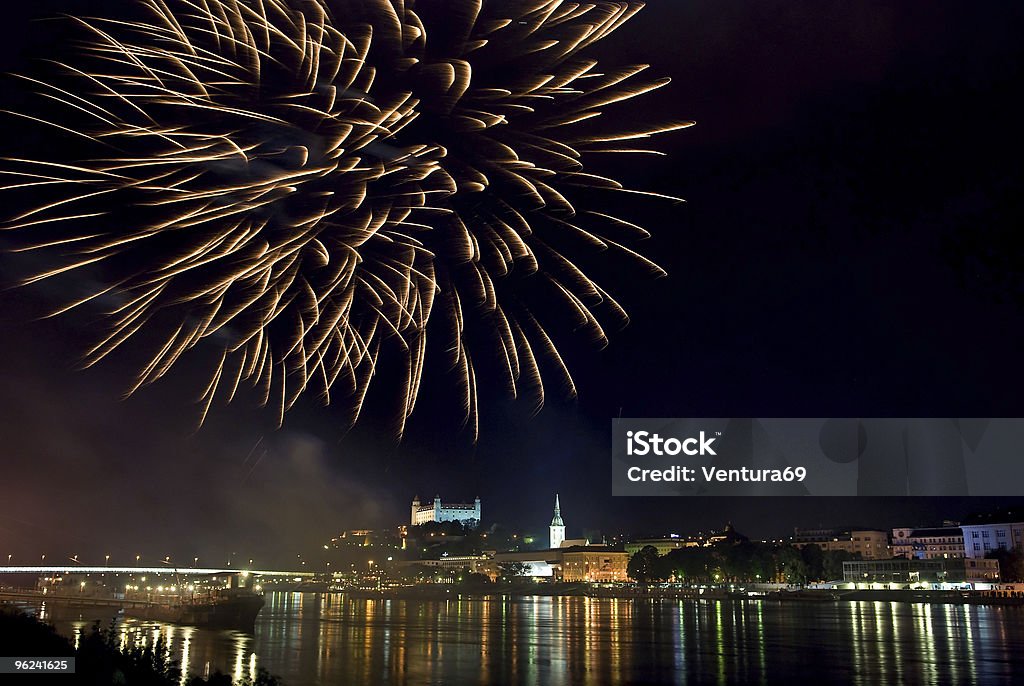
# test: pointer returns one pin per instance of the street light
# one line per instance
(106, 560)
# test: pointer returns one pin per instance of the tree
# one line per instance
(1011, 564)
(832, 563)
(814, 561)
(691, 565)
(641, 566)
(508, 570)
(791, 565)
(664, 569)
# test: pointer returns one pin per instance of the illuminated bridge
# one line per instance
(194, 571)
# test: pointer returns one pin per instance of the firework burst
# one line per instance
(315, 185)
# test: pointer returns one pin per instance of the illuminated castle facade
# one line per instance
(466, 513)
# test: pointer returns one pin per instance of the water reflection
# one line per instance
(325, 639)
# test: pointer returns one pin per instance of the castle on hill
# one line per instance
(436, 511)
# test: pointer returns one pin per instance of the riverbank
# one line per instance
(448, 591)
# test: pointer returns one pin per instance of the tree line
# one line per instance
(742, 561)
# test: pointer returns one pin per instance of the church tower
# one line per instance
(556, 532)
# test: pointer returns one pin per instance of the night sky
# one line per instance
(849, 247)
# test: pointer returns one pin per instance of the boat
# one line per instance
(234, 608)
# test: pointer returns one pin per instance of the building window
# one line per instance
(974, 534)
(977, 546)
(984, 534)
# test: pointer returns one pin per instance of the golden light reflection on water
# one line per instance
(717, 627)
(965, 611)
(186, 645)
(930, 657)
(331, 638)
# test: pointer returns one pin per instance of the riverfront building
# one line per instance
(535, 563)
(593, 563)
(663, 545)
(436, 511)
(870, 543)
(913, 571)
(453, 564)
(928, 543)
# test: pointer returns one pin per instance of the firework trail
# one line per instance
(310, 184)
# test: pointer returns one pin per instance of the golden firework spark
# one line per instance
(307, 183)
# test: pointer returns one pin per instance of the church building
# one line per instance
(556, 532)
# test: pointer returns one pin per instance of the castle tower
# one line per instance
(476, 506)
(415, 509)
(556, 532)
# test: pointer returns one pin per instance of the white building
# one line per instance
(981, 539)
(478, 564)
(556, 532)
(466, 513)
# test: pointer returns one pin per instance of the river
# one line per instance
(312, 639)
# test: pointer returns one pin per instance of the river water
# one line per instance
(311, 639)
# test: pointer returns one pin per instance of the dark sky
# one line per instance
(849, 247)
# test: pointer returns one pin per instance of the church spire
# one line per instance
(557, 519)
(556, 532)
